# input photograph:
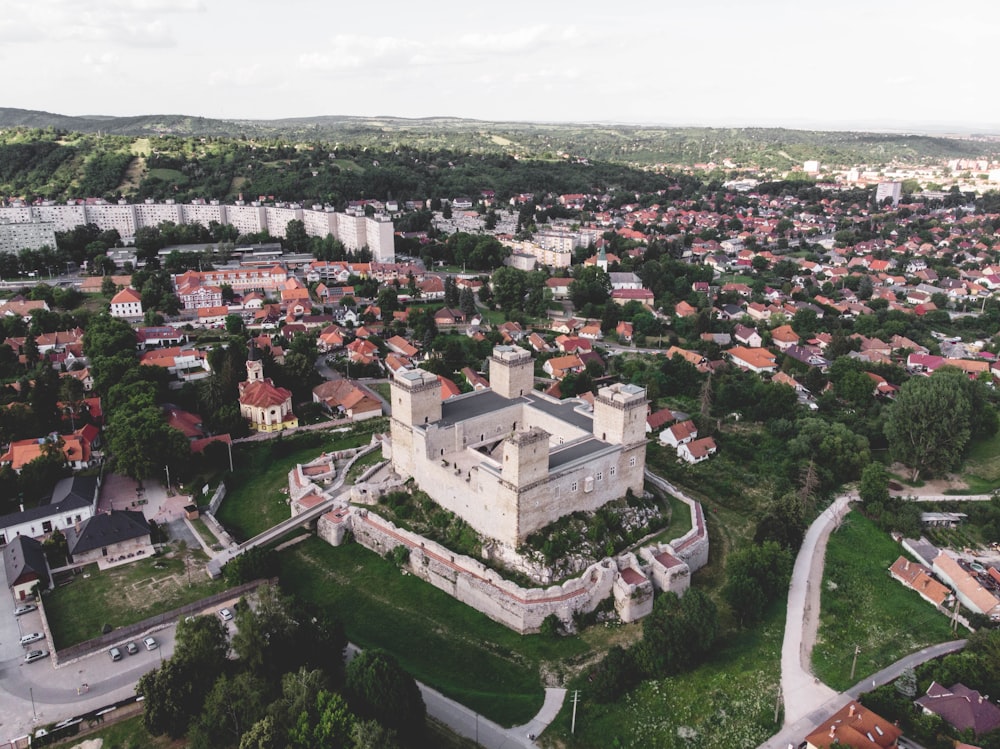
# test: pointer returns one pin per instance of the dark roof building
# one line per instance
(107, 529)
(962, 707)
(24, 564)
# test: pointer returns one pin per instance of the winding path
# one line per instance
(807, 700)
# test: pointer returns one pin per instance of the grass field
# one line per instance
(728, 702)
(257, 495)
(168, 175)
(862, 606)
(125, 595)
(981, 470)
(439, 640)
(382, 388)
(125, 734)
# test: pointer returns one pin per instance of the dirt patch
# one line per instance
(943, 485)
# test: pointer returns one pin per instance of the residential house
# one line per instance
(970, 590)
(591, 331)
(919, 578)
(400, 345)
(963, 708)
(754, 359)
(475, 380)
(624, 331)
(348, 398)
(23, 308)
(784, 337)
(560, 366)
(679, 434)
(362, 351)
(446, 316)
(854, 727)
(25, 566)
(747, 336)
(683, 309)
(538, 343)
(656, 420)
(696, 451)
(187, 365)
(75, 449)
(448, 388)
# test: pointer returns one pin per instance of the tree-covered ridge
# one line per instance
(625, 144)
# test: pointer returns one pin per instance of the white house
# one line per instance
(679, 434)
(697, 451)
(127, 304)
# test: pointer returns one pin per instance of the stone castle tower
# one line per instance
(416, 401)
(512, 371)
(526, 458)
(620, 414)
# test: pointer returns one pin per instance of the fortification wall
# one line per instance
(633, 597)
(521, 609)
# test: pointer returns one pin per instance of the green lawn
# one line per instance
(384, 389)
(257, 495)
(728, 702)
(168, 175)
(207, 536)
(862, 606)
(125, 734)
(982, 466)
(362, 464)
(125, 595)
(438, 639)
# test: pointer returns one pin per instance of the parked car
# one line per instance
(151, 643)
(33, 637)
(115, 653)
(226, 615)
(35, 655)
(131, 648)
(24, 608)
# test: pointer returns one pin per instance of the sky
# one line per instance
(885, 64)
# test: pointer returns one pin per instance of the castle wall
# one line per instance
(633, 600)
(521, 609)
(441, 440)
(547, 502)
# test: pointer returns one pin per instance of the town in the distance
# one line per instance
(676, 455)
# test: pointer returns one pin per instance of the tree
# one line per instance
(678, 634)
(467, 302)
(234, 324)
(377, 687)
(451, 293)
(615, 675)
(509, 288)
(927, 426)
(329, 724)
(172, 697)
(874, 486)
(231, 708)
(591, 286)
(756, 576)
(387, 301)
(202, 642)
(296, 238)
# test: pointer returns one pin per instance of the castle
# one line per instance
(509, 460)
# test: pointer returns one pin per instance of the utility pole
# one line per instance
(576, 699)
(857, 649)
(777, 704)
(34, 715)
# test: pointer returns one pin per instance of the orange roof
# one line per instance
(22, 452)
(918, 577)
(856, 728)
(758, 358)
(126, 296)
(263, 394)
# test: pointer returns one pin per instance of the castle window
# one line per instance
(612, 471)
(600, 475)
(631, 462)
(574, 487)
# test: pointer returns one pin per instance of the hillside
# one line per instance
(623, 144)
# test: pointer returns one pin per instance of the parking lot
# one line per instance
(33, 694)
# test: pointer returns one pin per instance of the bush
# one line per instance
(615, 675)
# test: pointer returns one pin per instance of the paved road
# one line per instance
(801, 690)
(793, 733)
(946, 497)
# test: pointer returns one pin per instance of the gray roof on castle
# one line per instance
(472, 405)
(576, 451)
(566, 411)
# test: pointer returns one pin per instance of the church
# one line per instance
(268, 408)
(510, 460)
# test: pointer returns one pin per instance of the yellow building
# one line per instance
(268, 408)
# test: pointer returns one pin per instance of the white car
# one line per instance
(35, 655)
(24, 609)
(33, 637)
(150, 643)
(226, 614)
